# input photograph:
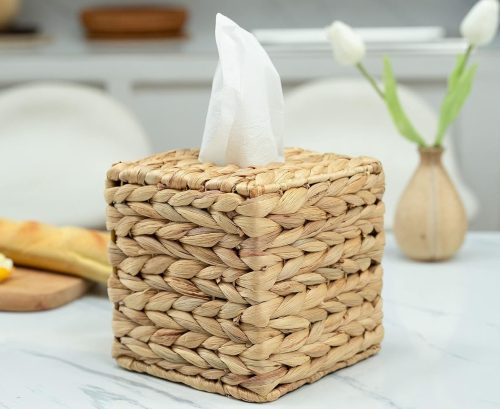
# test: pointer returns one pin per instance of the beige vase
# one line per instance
(430, 221)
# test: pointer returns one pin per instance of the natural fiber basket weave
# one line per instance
(245, 282)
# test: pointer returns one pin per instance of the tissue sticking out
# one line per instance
(244, 124)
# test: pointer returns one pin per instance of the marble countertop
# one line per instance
(441, 350)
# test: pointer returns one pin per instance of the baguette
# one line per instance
(71, 250)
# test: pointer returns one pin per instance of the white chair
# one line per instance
(347, 117)
(56, 142)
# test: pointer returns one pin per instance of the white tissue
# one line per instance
(244, 124)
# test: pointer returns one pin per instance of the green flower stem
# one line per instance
(370, 79)
(468, 52)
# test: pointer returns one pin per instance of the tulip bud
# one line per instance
(481, 23)
(348, 46)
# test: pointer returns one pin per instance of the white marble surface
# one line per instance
(441, 350)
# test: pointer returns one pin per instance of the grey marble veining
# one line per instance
(441, 350)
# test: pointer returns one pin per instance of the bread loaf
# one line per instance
(71, 250)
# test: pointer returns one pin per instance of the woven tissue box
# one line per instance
(245, 282)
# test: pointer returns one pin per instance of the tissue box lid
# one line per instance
(181, 170)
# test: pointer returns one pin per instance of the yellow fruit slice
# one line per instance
(4, 273)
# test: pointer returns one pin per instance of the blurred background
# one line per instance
(164, 85)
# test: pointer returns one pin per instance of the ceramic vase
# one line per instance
(430, 222)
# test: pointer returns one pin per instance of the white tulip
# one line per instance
(348, 46)
(481, 23)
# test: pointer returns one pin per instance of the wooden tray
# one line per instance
(133, 22)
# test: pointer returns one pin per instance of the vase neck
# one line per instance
(430, 155)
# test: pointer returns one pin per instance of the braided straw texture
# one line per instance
(245, 282)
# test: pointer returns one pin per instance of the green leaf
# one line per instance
(457, 71)
(458, 91)
(399, 117)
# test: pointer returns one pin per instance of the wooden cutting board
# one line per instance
(35, 290)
